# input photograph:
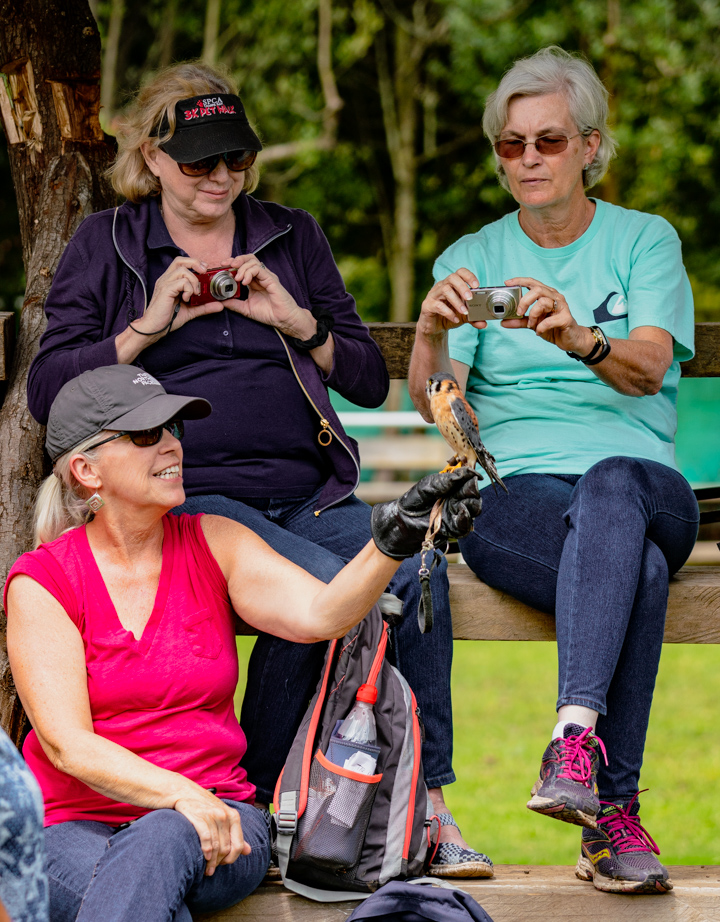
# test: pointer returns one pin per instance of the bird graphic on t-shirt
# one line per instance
(458, 425)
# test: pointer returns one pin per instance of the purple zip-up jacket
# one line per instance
(101, 284)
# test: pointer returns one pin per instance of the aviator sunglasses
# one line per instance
(144, 438)
(235, 160)
(513, 148)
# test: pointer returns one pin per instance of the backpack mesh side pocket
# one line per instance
(332, 829)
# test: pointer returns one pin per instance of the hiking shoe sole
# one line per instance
(466, 869)
(654, 883)
(559, 809)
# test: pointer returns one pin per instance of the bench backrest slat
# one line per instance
(396, 342)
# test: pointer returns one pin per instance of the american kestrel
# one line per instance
(458, 425)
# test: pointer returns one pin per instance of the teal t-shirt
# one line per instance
(540, 410)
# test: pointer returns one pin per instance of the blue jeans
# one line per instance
(597, 551)
(152, 871)
(282, 676)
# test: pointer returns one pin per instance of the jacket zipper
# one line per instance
(326, 427)
(142, 280)
(131, 268)
(268, 242)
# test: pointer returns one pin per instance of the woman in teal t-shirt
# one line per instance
(576, 400)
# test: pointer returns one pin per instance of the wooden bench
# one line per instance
(542, 893)
(517, 894)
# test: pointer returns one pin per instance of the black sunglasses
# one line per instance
(513, 148)
(144, 438)
(235, 160)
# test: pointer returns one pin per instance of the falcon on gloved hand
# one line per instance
(458, 425)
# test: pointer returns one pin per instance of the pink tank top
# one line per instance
(168, 697)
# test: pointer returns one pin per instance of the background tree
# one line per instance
(371, 109)
(49, 103)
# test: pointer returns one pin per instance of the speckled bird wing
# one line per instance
(467, 421)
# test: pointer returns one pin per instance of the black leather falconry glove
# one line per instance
(399, 527)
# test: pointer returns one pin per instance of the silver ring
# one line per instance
(262, 265)
(554, 306)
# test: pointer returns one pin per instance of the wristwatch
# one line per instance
(599, 351)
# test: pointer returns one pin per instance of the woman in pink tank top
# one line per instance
(121, 636)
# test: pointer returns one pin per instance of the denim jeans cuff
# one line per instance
(441, 780)
(583, 703)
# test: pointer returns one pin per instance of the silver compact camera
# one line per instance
(495, 303)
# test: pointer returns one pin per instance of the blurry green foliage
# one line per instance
(659, 58)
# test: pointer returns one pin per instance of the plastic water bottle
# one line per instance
(359, 725)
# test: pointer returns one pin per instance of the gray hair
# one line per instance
(554, 70)
(60, 503)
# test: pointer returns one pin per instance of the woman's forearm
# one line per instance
(634, 367)
(130, 344)
(430, 354)
(346, 600)
(324, 356)
(116, 772)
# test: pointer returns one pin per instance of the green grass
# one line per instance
(503, 697)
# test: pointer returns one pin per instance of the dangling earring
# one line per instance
(95, 502)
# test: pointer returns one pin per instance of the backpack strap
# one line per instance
(286, 822)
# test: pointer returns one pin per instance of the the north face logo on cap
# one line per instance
(144, 378)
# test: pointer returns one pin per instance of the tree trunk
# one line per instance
(109, 68)
(212, 30)
(399, 107)
(167, 33)
(49, 103)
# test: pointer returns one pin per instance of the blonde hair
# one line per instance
(130, 175)
(554, 70)
(60, 504)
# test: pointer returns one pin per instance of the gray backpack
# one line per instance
(340, 834)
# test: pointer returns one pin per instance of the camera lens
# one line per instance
(501, 301)
(223, 286)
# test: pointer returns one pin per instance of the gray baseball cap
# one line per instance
(113, 397)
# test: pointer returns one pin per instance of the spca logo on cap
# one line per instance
(213, 105)
(144, 378)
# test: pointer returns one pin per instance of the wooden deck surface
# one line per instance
(519, 894)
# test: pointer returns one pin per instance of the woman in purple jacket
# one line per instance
(276, 459)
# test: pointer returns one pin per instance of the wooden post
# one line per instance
(49, 105)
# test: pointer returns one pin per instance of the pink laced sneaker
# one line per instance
(567, 789)
(620, 855)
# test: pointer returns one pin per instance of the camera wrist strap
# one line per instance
(165, 329)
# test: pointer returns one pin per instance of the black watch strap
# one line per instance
(598, 352)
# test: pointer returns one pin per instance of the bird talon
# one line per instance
(451, 467)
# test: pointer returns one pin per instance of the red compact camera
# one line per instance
(215, 285)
